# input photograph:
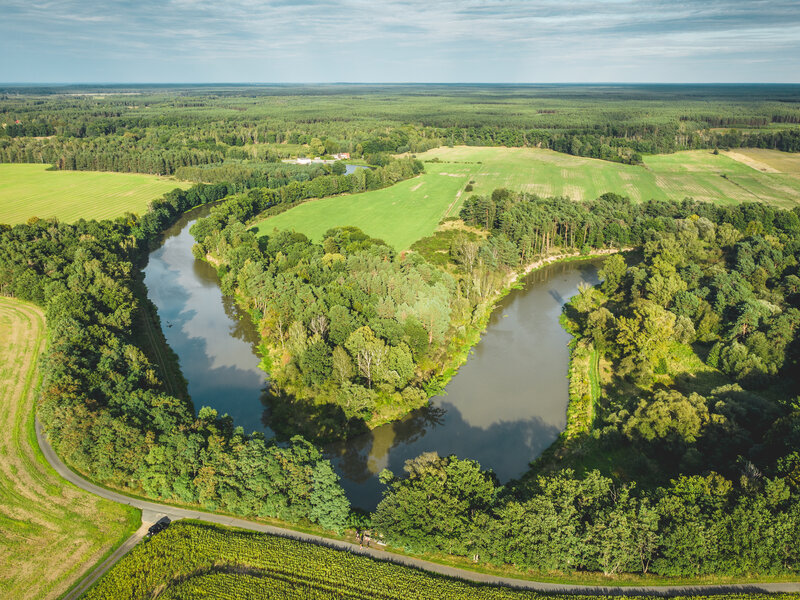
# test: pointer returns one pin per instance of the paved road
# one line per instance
(152, 511)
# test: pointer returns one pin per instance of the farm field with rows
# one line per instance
(197, 560)
(699, 174)
(32, 190)
(192, 560)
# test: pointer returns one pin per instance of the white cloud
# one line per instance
(392, 39)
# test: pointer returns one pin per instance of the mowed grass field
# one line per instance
(411, 209)
(699, 174)
(399, 215)
(29, 190)
(51, 532)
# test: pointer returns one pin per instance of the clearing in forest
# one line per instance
(52, 532)
(399, 215)
(411, 209)
(32, 190)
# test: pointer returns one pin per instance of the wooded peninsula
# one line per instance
(681, 453)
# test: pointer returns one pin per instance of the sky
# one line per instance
(509, 41)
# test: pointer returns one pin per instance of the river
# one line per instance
(504, 407)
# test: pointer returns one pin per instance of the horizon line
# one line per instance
(304, 83)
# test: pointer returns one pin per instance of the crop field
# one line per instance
(193, 560)
(410, 210)
(696, 173)
(52, 532)
(400, 214)
(197, 560)
(30, 190)
(768, 161)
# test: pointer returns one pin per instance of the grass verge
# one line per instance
(52, 531)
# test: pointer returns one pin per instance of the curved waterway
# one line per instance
(505, 406)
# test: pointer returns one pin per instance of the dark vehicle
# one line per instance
(158, 527)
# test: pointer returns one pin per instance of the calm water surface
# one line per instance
(215, 341)
(348, 169)
(503, 408)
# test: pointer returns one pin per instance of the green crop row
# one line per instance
(192, 560)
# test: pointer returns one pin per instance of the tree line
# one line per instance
(163, 130)
(705, 477)
(103, 403)
(562, 522)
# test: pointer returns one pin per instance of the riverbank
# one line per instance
(458, 567)
(149, 335)
(460, 351)
(449, 359)
(191, 303)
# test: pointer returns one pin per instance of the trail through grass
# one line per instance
(699, 174)
(31, 190)
(410, 210)
(52, 532)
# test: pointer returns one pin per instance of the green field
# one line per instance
(192, 560)
(696, 173)
(399, 215)
(411, 209)
(198, 560)
(31, 190)
(52, 532)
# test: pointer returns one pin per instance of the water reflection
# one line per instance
(348, 169)
(214, 340)
(504, 446)
(505, 406)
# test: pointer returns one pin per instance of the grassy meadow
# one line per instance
(52, 532)
(722, 178)
(410, 210)
(31, 190)
(400, 214)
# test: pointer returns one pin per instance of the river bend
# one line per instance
(505, 406)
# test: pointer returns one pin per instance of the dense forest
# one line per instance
(694, 328)
(705, 480)
(103, 402)
(166, 131)
(350, 331)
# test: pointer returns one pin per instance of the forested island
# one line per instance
(681, 456)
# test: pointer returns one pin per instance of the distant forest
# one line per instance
(160, 130)
(695, 328)
(704, 481)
